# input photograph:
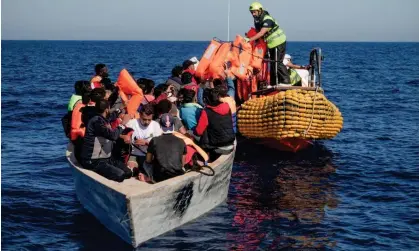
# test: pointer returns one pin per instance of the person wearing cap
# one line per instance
(166, 154)
(189, 82)
(275, 38)
(165, 106)
(298, 73)
(188, 67)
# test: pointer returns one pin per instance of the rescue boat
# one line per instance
(286, 117)
(289, 118)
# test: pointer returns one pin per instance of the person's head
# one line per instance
(217, 82)
(222, 90)
(102, 107)
(160, 89)
(221, 87)
(188, 64)
(146, 114)
(211, 97)
(186, 78)
(101, 70)
(79, 86)
(147, 85)
(97, 95)
(188, 96)
(256, 9)
(288, 56)
(177, 71)
(164, 106)
(141, 83)
(85, 91)
(167, 123)
(108, 93)
(107, 83)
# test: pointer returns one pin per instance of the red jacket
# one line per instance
(192, 72)
(222, 109)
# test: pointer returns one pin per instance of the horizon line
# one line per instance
(159, 40)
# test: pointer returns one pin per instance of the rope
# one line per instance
(283, 124)
(312, 113)
(200, 168)
(232, 45)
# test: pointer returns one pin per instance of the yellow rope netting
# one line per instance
(292, 113)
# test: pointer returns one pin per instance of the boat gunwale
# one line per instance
(143, 187)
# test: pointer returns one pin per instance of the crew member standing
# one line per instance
(275, 38)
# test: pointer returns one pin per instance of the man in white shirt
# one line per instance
(301, 70)
(145, 128)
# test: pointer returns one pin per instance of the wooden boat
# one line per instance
(137, 211)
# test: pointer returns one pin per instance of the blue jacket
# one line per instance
(190, 113)
(231, 89)
(200, 96)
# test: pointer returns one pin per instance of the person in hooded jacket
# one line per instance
(215, 125)
(175, 80)
(96, 154)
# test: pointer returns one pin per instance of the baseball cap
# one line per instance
(287, 56)
(167, 123)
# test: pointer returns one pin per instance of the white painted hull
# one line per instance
(137, 211)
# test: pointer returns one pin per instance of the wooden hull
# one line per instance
(137, 211)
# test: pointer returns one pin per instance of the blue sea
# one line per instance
(358, 191)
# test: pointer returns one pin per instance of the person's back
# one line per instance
(189, 110)
(167, 152)
(226, 96)
(81, 87)
(215, 123)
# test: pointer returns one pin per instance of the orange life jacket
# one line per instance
(259, 49)
(77, 128)
(96, 79)
(216, 68)
(206, 59)
(127, 86)
(245, 56)
(189, 142)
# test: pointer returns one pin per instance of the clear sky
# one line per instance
(302, 20)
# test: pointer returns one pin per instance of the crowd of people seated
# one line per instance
(178, 125)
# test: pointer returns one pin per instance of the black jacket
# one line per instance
(99, 139)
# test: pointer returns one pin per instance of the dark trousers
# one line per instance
(109, 168)
(279, 72)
